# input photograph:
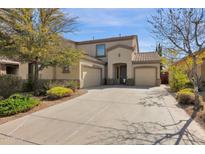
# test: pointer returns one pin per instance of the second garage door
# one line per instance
(145, 76)
(91, 77)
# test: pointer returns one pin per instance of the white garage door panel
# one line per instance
(91, 77)
(145, 76)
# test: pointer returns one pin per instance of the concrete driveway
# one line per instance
(106, 115)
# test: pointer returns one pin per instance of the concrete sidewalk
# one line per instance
(106, 115)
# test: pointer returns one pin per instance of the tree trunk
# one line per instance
(195, 83)
(36, 75)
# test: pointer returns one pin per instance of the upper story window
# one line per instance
(100, 48)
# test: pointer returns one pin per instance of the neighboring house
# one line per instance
(115, 60)
(200, 65)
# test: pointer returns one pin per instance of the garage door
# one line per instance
(90, 77)
(145, 76)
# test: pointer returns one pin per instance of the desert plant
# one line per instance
(17, 103)
(58, 92)
(9, 84)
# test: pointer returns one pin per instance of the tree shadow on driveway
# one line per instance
(151, 132)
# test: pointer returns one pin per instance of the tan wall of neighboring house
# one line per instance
(119, 55)
(90, 49)
(200, 68)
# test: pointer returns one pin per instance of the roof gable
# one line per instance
(120, 46)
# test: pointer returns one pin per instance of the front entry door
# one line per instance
(123, 74)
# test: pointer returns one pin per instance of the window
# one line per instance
(66, 69)
(100, 50)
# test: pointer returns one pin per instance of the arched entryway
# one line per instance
(120, 73)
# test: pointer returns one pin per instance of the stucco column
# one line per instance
(129, 71)
(110, 71)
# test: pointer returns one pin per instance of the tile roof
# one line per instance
(145, 57)
(93, 59)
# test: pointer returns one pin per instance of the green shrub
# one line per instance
(44, 85)
(73, 84)
(203, 83)
(27, 86)
(186, 96)
(178, 79)
(9, 84)
(17, 103)
(130, 82)
(186, 90)
(189, 85)
(58, 92)
(1, 98)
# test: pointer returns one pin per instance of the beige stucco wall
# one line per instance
(23, 70)
(119, 55)
(73, 74)
(46, 73)
(157, 65)
(57, 73)
(51, 72)
(90, 49)
(68, 43)
(2, 69)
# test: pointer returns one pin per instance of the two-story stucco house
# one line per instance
(115, 60)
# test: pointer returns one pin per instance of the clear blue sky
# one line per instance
(102, 23)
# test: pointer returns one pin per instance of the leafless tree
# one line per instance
(182, 30)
